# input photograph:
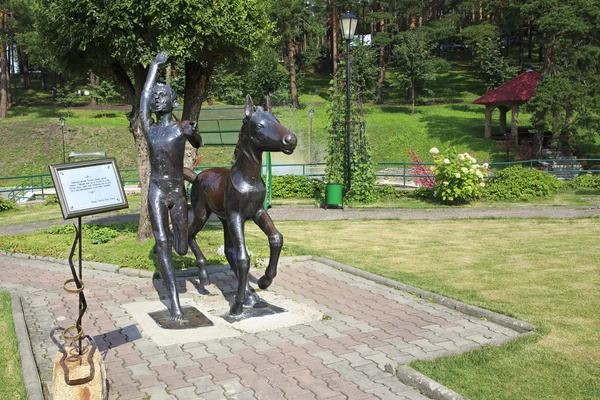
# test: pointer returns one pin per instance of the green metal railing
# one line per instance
(402, 174)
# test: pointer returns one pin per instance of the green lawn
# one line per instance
(11, 380)
(543, 271)
(51, 212)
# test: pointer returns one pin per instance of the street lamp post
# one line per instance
(348, 24)
(62, 122)
(311, 115)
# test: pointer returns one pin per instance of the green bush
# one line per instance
(518, 183)
(459, 178)
(287, 186)
(6, 205)
(51, 200)
(585, 182)
(387, 192)
(97, 234)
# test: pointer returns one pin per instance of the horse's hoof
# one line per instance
(252, 299)
(236, 309)
(264, 282)
(204, 278)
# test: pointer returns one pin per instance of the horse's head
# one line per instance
(265, 132)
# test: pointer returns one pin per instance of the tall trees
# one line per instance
(567, 102)
(288, 15)
(413, 55)
(4, 77)
(121, 38)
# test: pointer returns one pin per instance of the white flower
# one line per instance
(457, 175)
(434, 150)
(482, 184)
(479, 174)
(461, 156)
(464, 170)
(446, 161)
(485, 165)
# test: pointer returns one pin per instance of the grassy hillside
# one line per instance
(32, 137)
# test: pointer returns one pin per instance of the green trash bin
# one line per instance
(333, 195)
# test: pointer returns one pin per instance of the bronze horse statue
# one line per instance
(236, 195)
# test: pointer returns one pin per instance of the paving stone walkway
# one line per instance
(364, 326)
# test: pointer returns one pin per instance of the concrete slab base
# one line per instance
(282, 312)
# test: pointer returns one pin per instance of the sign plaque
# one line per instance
(88, 187)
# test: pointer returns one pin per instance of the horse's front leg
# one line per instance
(265, 223)
(235, 226)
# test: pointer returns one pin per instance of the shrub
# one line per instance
(585, 182)
(97, 234)
(6, 205)
(51, 200)
(387, 192)
(518, 183)
(459, 179)
(286, 186)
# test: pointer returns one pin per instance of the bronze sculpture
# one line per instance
(236, 195)
(166, 193)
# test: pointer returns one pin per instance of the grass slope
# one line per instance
(33, 138)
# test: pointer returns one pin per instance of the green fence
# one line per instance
(400, 174)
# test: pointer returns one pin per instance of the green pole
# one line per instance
(269, 182)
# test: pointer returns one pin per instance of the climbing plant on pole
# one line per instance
(362, 167)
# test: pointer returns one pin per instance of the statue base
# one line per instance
(192, 318)
(260, 309)
(78, 368)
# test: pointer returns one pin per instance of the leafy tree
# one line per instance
(492, 68)
(476, 35)
(567, 100)
(416, 64)
(122, 37)
(266, 77)
(66, 97)
(364, 70)
(104, 92)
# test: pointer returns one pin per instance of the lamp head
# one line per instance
(348, 24)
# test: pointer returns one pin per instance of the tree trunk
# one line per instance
(529, 39)
(292, 70)
(24, 68)
(412, 98)
(381, 74)
(94, 80)
(197, 77)
(43, 79)
(4, 83)
(134, 93)
(334, 34)
(537, 145)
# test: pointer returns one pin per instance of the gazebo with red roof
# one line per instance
(509, 96)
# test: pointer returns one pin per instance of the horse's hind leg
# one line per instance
(200, 217)
(251, 297)
(265, 223)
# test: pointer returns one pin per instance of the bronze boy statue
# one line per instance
(166, 193)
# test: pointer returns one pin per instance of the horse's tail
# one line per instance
(189, 174)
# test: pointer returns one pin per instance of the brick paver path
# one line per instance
(366, 326)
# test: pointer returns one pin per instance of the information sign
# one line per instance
(88, 187)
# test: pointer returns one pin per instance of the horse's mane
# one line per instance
(241, 135)
(244, 132)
